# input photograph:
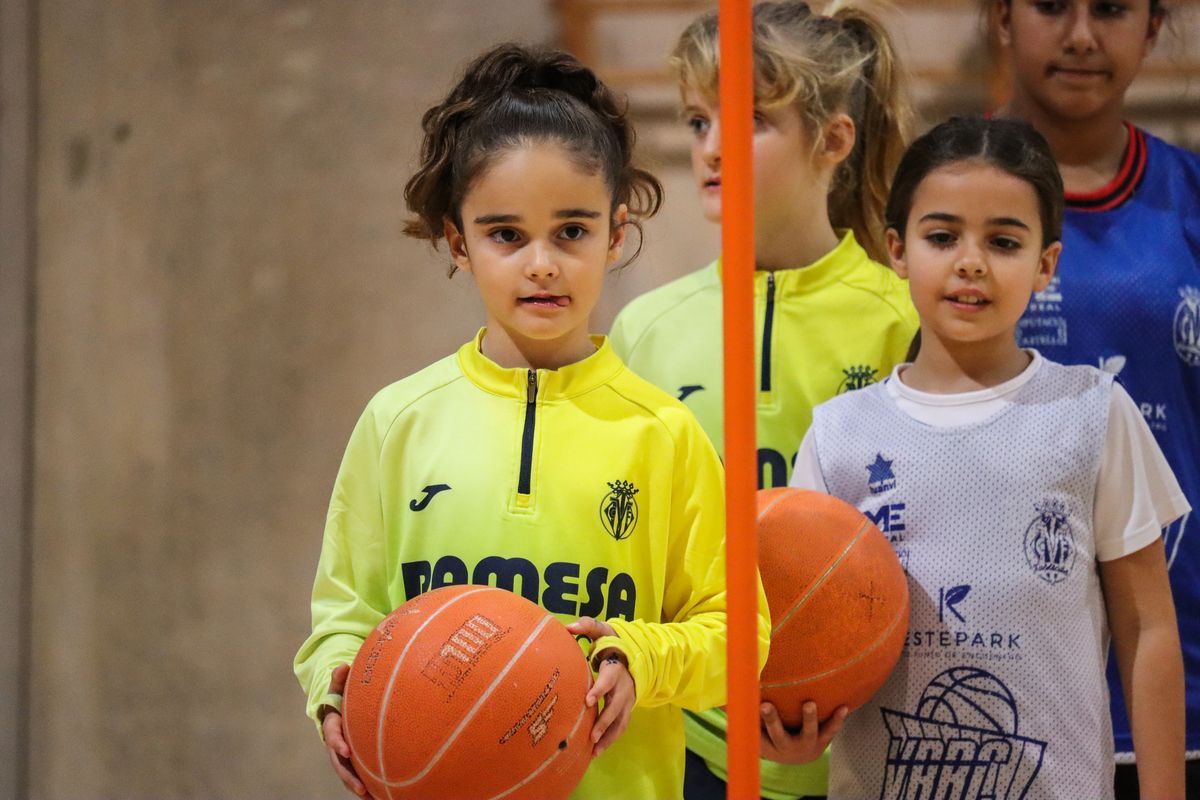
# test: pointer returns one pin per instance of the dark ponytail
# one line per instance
(510, 96)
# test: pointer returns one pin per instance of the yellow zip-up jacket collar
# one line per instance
(835, 325)
(585, 489)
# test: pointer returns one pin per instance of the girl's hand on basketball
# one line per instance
(334, 729)
(613, 683)
(807, 744)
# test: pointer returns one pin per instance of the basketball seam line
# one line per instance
(874, 646)
(546, 763)
(487, 693)
(782, 496)
(382, 777)
(820, 580)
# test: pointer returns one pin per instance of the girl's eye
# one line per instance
(940, 238)
(504, 236)
(1108, 10)
(1006, 243)
(697, 125)
(574, 232)
(1049, 7)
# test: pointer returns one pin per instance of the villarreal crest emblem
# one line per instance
(619, 509)
(1186, 326)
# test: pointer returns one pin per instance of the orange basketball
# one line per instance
(469, 692)
(838, 598)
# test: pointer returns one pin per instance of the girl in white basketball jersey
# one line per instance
(1024, 498)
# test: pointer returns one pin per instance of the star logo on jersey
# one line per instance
(857, 377)
(881, 478)
(619, 509)
(687, 391)
(430, 492)
(1186, 326)
(1050, 542)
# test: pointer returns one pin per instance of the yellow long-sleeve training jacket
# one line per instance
(837, 324)
(585, 489)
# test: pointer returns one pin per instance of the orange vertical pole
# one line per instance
(737, 254)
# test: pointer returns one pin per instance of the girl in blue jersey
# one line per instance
(1127, 295)
(831, 121)
(548, 468)
(1023, 497)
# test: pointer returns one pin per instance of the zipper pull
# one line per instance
(771, 285)
(531, 385)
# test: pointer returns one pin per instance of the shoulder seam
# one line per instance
(654, 320)
(400, 411)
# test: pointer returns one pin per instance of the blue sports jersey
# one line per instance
(1126, 299)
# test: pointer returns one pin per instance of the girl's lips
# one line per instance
(1078, 74)
(547, 300)
(968, 302)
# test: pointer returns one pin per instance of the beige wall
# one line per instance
(221, 286)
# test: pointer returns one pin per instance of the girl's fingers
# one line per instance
(606, 679)
(834, 725)
(614, 720)
(335, 737)
(346, 773)
(775, 731)
(809, 725)
(337, 682)
(613, 732)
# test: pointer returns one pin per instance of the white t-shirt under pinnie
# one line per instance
(1135, 490)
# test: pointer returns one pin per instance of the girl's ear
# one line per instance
(1001, 16)
(1047, 265)
(895, 248)
(616, 241)
(457, 244)
(1156, 23)
(838, 139)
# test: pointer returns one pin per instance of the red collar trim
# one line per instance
(1123, 184)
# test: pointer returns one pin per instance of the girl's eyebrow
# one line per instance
(492, 219)
(1012, 222)
(564, 213)
(941, 216)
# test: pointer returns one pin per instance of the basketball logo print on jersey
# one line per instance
(1050, 543)
(1186, 327)
(962, 742)
(619, 509)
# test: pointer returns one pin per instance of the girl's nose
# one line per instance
(712, 145)
(541, 263)
(971, 266)
(1080, 36)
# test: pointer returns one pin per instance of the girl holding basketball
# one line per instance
(1024, 498)
(1127, 295)
(831, 121)
(500, 463)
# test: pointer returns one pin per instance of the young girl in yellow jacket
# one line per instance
(831, 121)
(532, 459)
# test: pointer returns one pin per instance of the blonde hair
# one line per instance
(823, 64)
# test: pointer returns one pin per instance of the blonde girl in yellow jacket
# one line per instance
(533, 459)
(830, 126)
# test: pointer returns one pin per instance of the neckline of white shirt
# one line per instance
(972, 407)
